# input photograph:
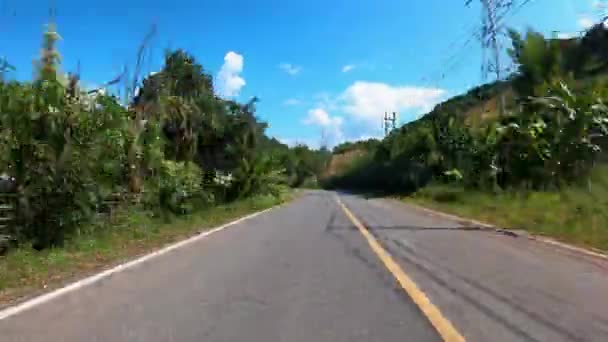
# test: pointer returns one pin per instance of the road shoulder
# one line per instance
(518, 233)
(49, 279)
(492, 286)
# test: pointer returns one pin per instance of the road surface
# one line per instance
(303, 272)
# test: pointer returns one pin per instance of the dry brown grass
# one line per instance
(341, 162)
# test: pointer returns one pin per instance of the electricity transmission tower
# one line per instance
(389, 122)
(492, 11)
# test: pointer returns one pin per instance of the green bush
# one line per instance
(180, 188)
(50, 143)
(442, 194)
(76, 153)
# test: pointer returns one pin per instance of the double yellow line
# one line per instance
(443, 326)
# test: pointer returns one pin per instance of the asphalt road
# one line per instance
(303, 272)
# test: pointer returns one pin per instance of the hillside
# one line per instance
(584, 59)
(464, 133)
(345, 155)
(341, 161)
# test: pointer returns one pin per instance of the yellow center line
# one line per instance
(443, 326)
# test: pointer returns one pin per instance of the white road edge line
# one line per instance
(14, 310)
(529, 236)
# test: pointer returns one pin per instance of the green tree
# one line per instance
(538, 62)
(5, 68)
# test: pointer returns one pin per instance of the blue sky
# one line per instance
(317, 66)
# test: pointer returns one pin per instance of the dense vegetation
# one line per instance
(367, 145)
(549, 135)
(69, 155)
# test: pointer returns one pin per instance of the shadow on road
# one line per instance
(445, 277)
(356, 247)
(408, 255)
(406, 228)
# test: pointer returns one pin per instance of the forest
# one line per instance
(168, 147)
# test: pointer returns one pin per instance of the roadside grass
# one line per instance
(310, 184)
(577, 215)
(130, 233)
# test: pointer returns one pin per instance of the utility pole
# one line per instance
(324, 138)
(389, 122)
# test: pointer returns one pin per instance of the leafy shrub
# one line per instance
(180, 188)
(71, 153)
(440, 193)
(50, 145)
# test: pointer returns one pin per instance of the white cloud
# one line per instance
(291, 142)
(348, 67)
(320, 117)
(586, 22)
(358, 110)
(292, 102)
(286, 141)
(290, 69)
(229, 80)
(326, 101)
(368, 137)
(566, 35)
(331, 126)
(367, 101)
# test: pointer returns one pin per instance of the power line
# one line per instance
(510, 12)
(502, 11)
(452, 61)
(489, 40)
(467, 34)
(455, 58)
(471, 30)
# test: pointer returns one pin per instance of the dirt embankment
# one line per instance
(340, 162)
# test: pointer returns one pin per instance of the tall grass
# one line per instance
(577, 214)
